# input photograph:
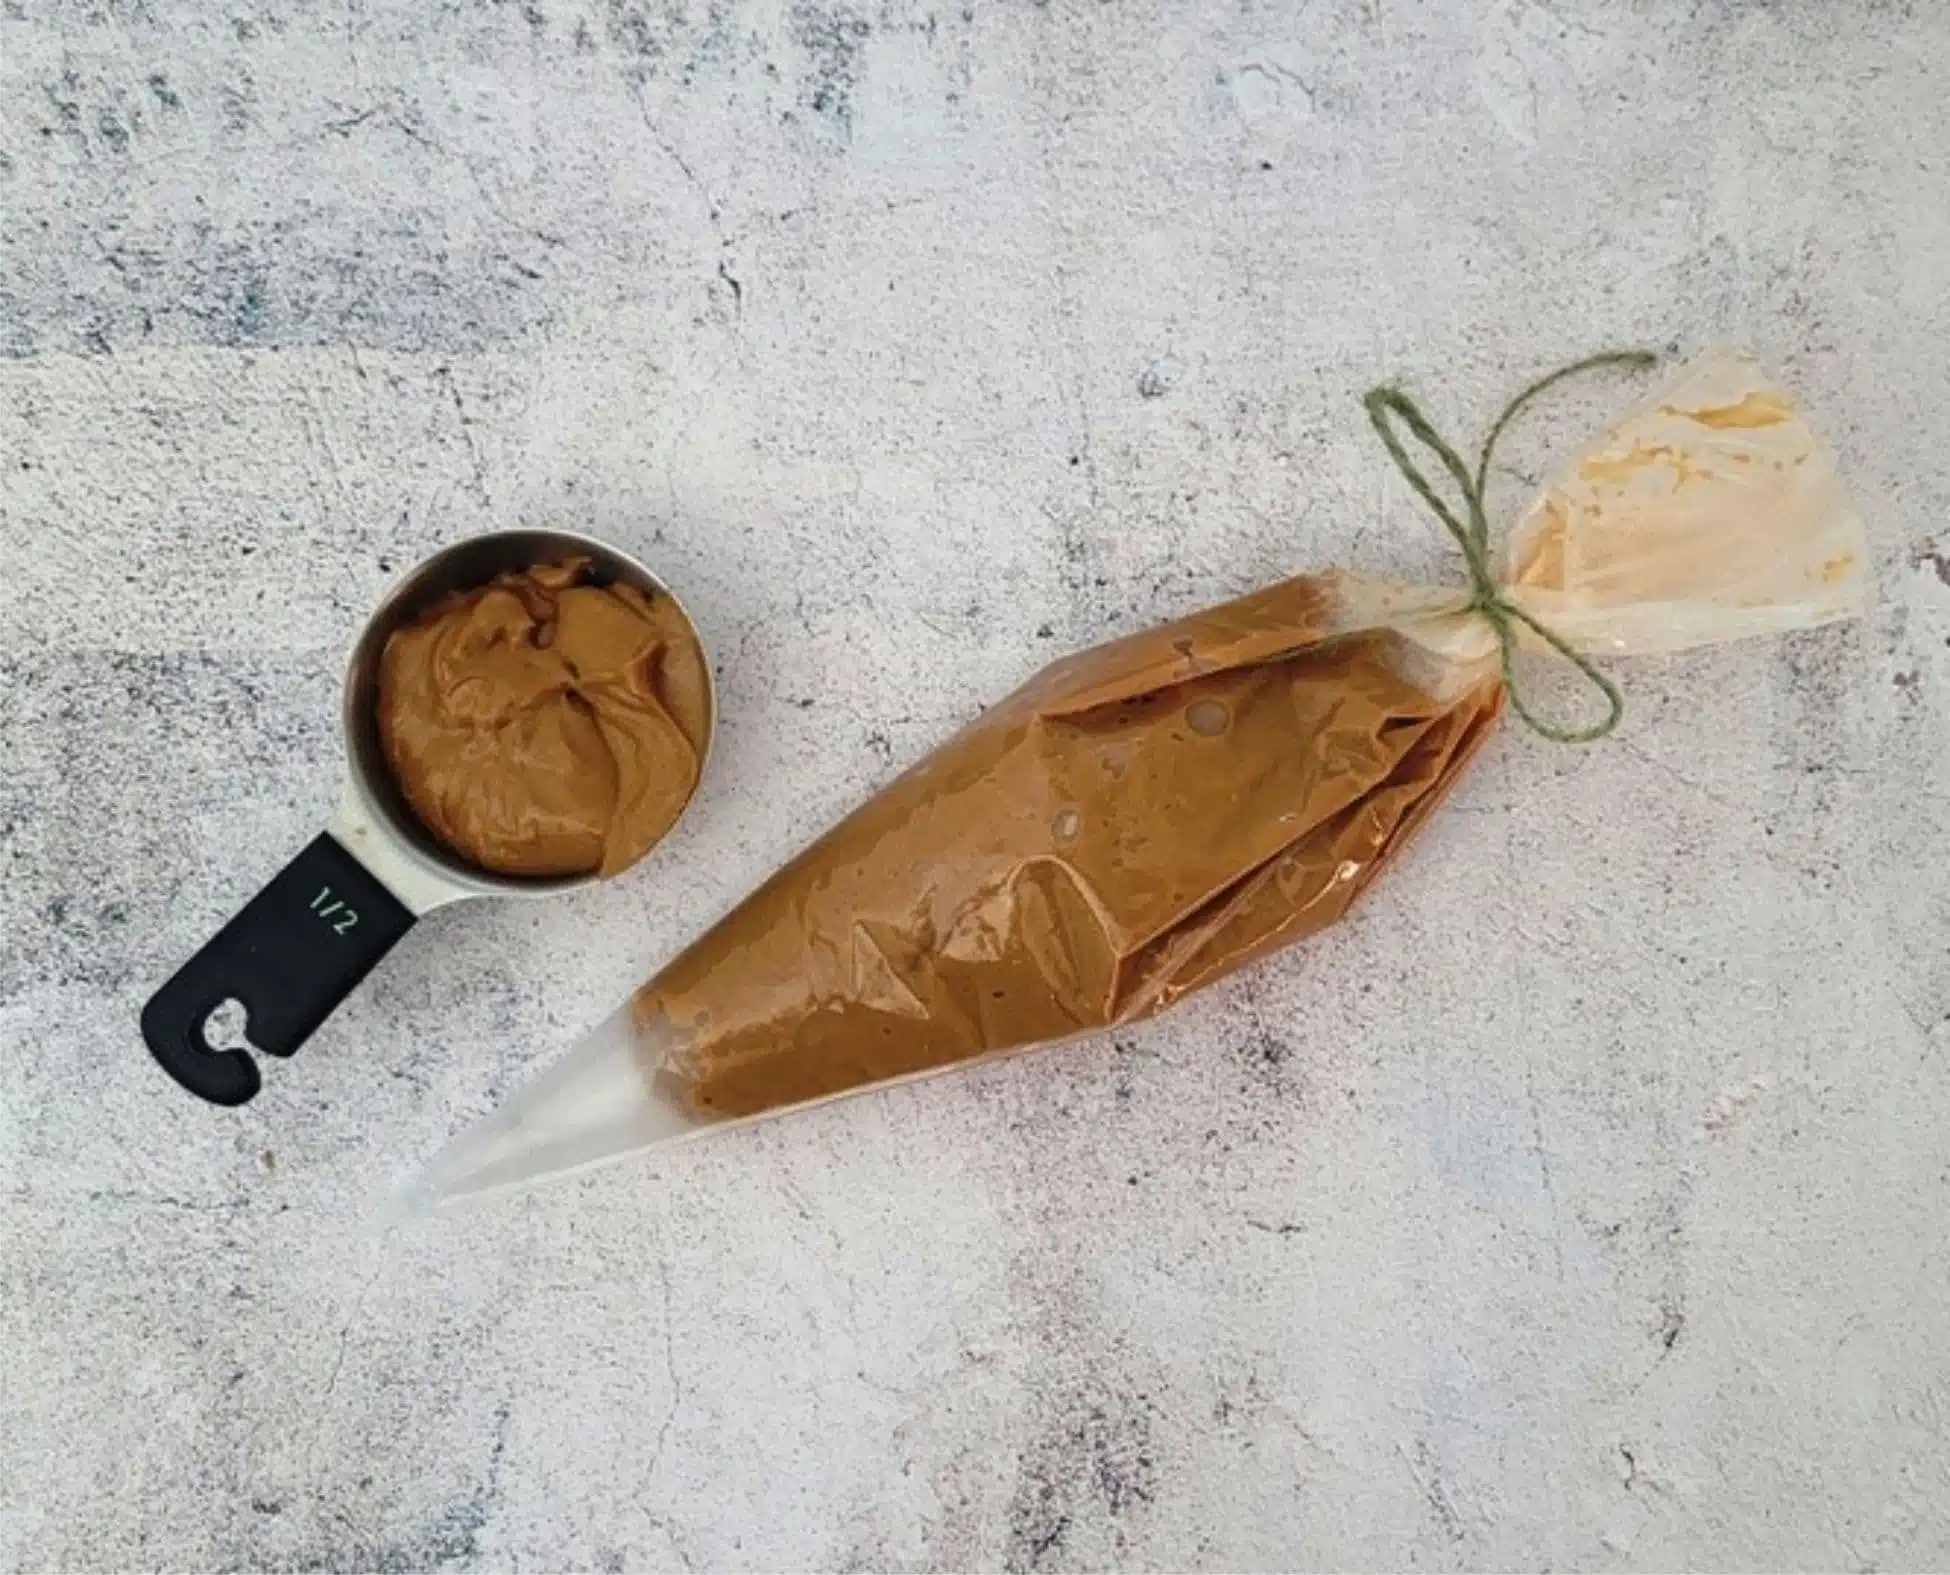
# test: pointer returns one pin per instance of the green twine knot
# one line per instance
(1488, 598)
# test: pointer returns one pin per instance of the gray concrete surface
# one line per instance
(1581, 1203)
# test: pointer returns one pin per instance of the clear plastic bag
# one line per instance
(1148, 816)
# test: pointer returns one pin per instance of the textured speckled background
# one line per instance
(1581, 1202)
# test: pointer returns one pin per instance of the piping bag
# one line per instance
(1143, 818)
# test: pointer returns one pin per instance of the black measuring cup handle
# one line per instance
(293, 953)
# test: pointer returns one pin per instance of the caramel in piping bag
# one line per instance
(1146, 817)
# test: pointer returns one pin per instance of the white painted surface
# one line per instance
(1582, 1202)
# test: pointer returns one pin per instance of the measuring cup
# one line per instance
(302, 943)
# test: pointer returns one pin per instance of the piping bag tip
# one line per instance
(594, 1105)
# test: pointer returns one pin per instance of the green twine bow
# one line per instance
(1473, 538)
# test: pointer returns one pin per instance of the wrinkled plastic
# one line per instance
(1146, 817)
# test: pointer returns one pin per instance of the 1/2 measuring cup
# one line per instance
(302, 943)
